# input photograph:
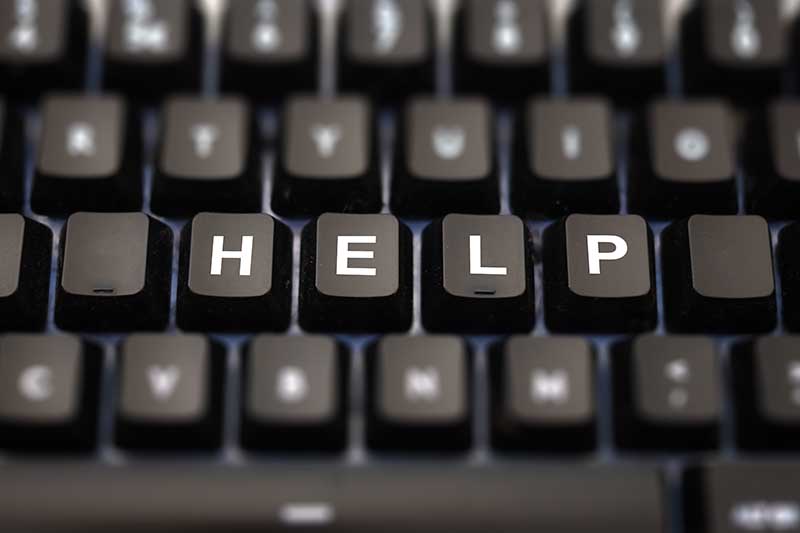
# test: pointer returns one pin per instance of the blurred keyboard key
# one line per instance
(208, 158)
(328, 159)
(766, 375)
(170, 392)
(387, 47)
(114, 273)
(737, 48)
(25, 258)
(419, 394)
(718, 275)
(42, 45)
(599, 274)
(294, 395)
(503, 47)
(477, 275)
(269, 47)
(153, 46)
(543, 394)
(89, 156)
(667, 393)
(445, 160)
(566, 159)
(356, 274)
(48, 393)
(683, 160)
(235, 273)
(619, 48)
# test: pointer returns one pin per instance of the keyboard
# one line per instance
(399, 266)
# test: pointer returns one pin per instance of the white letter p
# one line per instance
(595, 255)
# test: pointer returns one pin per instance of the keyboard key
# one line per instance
(43, 45)
(89, 156)
(418, 394)
(328, 160)
(718, 275)
(236, 273)
(543, 394)
(114, 273)
(386, 47)
(194, 497)
(789, 268)
(153, 46)
(445, 161)
(743, 497)
(599, 274)
(294, 395)
(566, 160)
(208, 160)
(503, 47)
(619, 48)
(684, 160)
(12, 130)
(736, 47)
(25, 258)
(170, 392)
(356, 274)
(767, 384)
(771, 158)
(48, 393)
(667, 394)
(269, 47)
(477, 275)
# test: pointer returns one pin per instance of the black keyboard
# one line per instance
(399, 266)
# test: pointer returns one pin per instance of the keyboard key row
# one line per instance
(356, 274)
(668, 393)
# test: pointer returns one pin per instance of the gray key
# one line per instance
(543, 394)
(170, 392)
(371, 38)
(419, 393)
(115, 272)
(294, 397)
(235, 273)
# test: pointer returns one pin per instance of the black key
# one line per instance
(418, 393)
(445, 159)
(736, 47)
(208, 158)
(43, 45)
(48, 393)
(12, 154)
(718, 275)
(543, 394)
(356, 274)
(477, 275)
(170, 392)
(294, 395)
(743, 497)
(328, 160)
(772, 159)
(89, 156)
(503, 47)
(25, 258)
(386, 47)
(276, 496)
(767, 385)
(620, 48)
(599, 274)
(153, 46)
(683, 160)
(667, 393)
(236, 273)
(789, 268)
(114, 273)
(269, 47)
(566, 160)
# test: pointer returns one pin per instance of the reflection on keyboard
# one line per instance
(408, 265)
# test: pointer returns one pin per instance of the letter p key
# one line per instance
(593, 242)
